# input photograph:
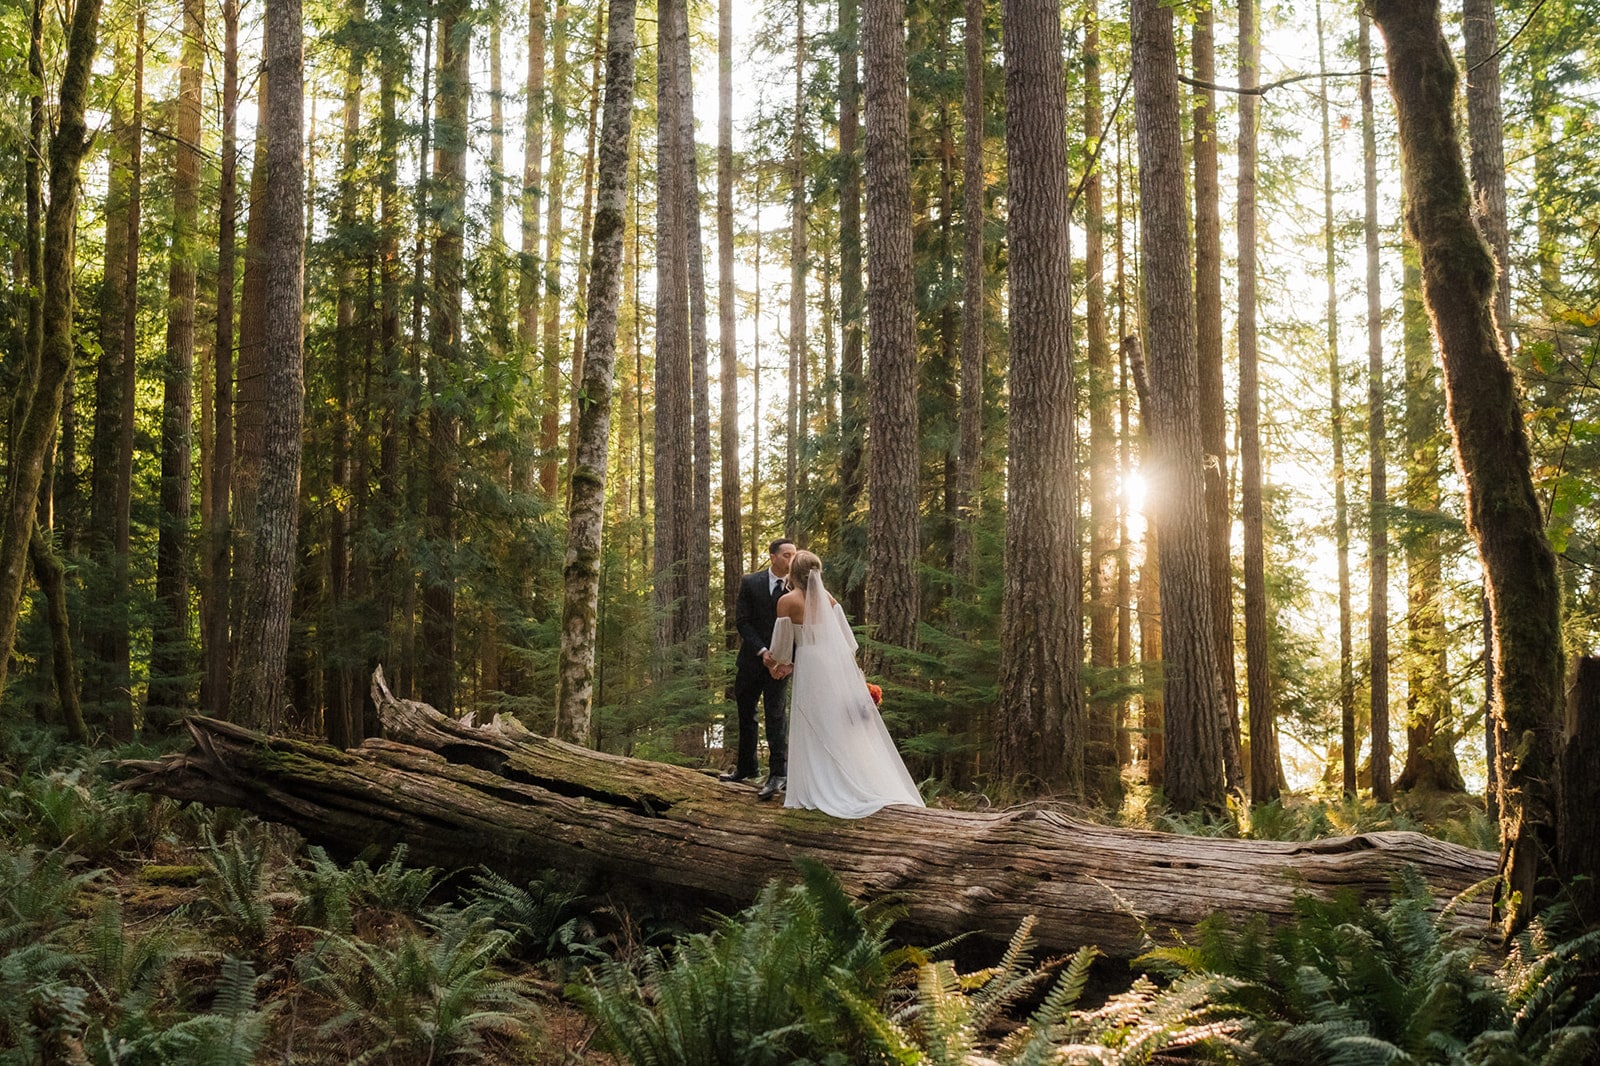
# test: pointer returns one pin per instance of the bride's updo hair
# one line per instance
(802, 567)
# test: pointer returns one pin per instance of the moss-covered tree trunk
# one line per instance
(586, 516)
(41, 412)
(461, 797)
(1503, 514)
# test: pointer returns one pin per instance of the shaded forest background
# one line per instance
(770, 379)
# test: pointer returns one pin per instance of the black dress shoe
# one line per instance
(773, 786)
(735, 775)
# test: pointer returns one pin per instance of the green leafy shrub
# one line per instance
(421, 996)
(543, 917)
(767, 986)
(1393, 982)
(234, 888)
(331, 895)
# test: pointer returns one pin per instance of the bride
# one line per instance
(841, 758)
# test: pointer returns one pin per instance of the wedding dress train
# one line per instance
(842, 760)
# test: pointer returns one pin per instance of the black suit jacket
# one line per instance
(755, 613)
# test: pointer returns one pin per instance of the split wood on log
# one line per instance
(497, 795)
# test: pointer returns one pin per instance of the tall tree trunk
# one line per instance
(1153, 712)
(1491, 444)
(697, 520)
(1341, 519)
(249, 398)
(1377, 449)
(1213, 414)
(42, 410)
(388, 559)
(107, 681)
(550, 405)
(586, 226)
(1102, 765)
(216, 589)
(1194, 691)
(1486, 141)
(893, 589)
(259, 693)
(47, 568)
(852, 297)
(1258, 680)
(1043, 727)
(587, 509)
(530, 275)
(797, 277)
(727, 322)
(674, 472)
(438, 673)
(1125, 606)
(973, 309)
(169, 654)
(342, 722)
(1430, 740)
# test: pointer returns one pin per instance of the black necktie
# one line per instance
(777, 590)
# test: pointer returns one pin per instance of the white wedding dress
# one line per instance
(842, 760)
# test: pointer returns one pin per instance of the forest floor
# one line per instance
(162, 928)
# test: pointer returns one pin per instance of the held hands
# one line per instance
(778, 670)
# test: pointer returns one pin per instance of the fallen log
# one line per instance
(459, 796)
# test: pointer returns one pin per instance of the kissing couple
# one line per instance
(833, 753)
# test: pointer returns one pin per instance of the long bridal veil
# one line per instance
(842, 759)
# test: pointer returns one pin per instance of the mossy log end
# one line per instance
(459, 796)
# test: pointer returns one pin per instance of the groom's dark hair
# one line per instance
(772, 549)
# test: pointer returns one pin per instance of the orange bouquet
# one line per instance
(876, 693)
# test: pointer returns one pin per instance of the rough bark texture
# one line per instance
(1341, 510)
(697, 521)
(1258, 677)
(449, 189)
(42, 410)
(170, 665)
(893, 588)
(1486, 142)
(216, 589)
(530, 275)
(728, 330)
(1213, 414)
(1377, 450)
(1102, 765)
(460, 796)
(52, 579)
(1503, 514)
(974, 314)
(1430, 736)
(674, 459)
(105, 631)
(1194, 693)
(1042, 727)
(592, 434)
(264, 632)
(1580, 798)
(852, 297)
(249, 398)
(550, 403)
(797, 278)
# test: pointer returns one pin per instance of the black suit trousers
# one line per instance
(753, 685)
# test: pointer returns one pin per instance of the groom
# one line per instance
(755, 615)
